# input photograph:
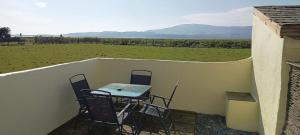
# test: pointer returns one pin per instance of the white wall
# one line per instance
(267, 64)
(34, 102)
(291, 53)
(203, 84)
(270, 53)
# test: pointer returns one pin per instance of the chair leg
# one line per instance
(165, 126)
(77, 117)
(90, 127)
(136, 129)
(137, 124)
(117, 100)
(167, 131)
(172, 125)
(133, 130)
(120, 129)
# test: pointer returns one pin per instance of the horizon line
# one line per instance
(128, 30)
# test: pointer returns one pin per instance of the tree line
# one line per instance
(6, 38)
(192, 43)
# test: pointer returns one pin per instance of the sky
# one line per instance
(67, 16)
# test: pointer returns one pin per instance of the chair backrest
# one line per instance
(173, 92)
(78, 83)
(100, 108)
(140, 77)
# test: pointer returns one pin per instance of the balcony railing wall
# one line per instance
(203, 84)
(35, 102)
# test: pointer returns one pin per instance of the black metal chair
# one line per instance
(101, 110)
(159, 113)
(142, 77)
(81, 88)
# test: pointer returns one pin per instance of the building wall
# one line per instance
(267, 49)
(34, 102)
(270, 54)
(291, 53)
(203, 84)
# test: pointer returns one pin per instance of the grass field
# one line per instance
(15, 58)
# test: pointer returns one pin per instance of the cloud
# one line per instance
(235, 17)
(23, 21)
(41, 4)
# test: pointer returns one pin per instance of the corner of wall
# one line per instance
(291, 53)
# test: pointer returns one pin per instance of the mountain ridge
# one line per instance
(183, 31)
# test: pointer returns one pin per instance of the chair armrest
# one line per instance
(156, 96)
(160, 97)
(90, 90)
(95, 90)
(85, 90)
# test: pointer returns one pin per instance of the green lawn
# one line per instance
(15, 58)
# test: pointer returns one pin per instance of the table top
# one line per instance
(124, 90)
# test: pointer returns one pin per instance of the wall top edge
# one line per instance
(40, 68)
(296, 64)
(179, 61)
(128, 59)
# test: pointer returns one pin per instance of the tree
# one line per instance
(4, 34)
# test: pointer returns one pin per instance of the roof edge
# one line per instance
(284, 20)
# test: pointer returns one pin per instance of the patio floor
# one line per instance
(185, 124)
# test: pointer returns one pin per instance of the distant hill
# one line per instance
(185, 31)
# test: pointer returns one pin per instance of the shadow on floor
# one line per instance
(184, 124)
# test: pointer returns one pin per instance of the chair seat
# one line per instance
(152, 111)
